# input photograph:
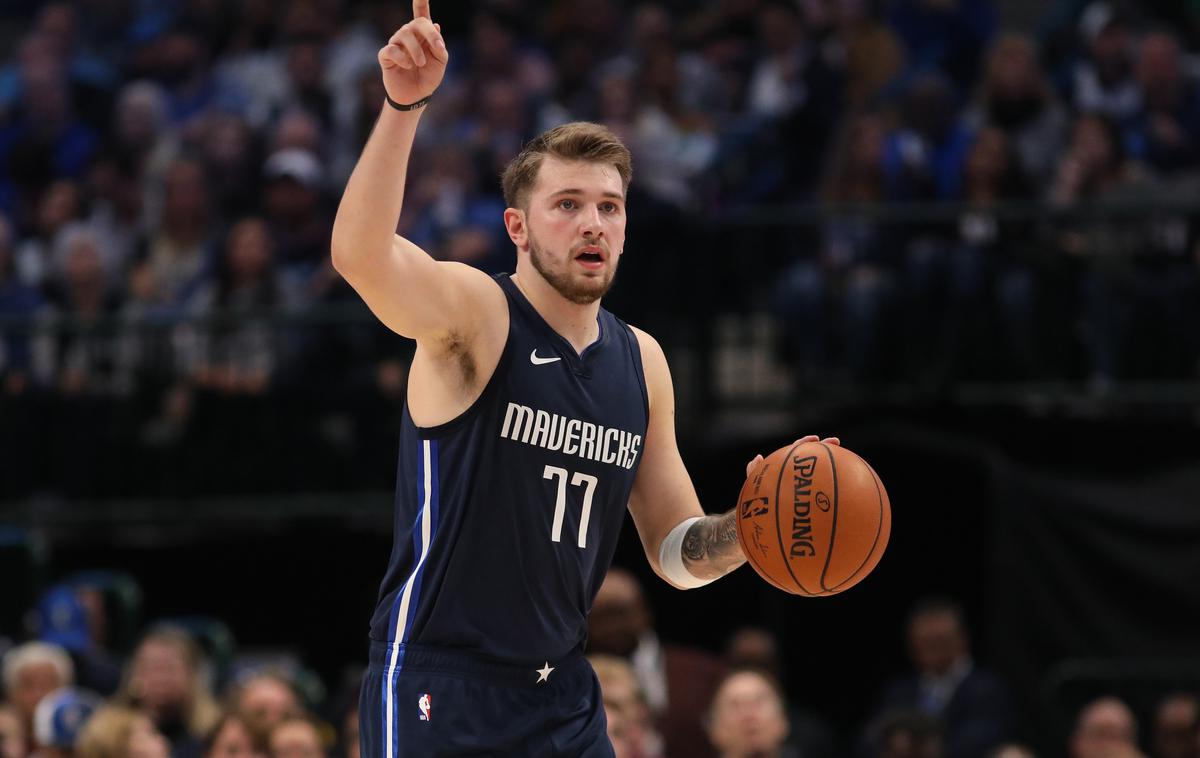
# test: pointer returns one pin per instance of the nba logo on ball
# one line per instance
(425, 703)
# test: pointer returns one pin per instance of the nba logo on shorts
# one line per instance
(424, 703)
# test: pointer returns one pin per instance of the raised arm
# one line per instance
(670, 520)
(410, 292)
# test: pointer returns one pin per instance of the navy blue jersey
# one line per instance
(507, 517)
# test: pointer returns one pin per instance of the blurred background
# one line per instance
(962, 235)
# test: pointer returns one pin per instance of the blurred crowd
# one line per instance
(183, 689)
(993, 203)
(162, 163)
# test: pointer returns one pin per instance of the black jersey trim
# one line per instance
(635, 354)
(577, 360)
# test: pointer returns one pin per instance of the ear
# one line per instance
(518, 231)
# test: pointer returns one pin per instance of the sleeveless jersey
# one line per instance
(507, 517)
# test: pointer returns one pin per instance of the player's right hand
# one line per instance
(414, 59)
(753, 464)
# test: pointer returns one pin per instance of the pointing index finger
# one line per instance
(421, 9)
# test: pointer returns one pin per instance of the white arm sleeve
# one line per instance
(670, 557)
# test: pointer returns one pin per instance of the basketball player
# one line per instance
(534, 418)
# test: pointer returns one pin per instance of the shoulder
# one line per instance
(654, 365)
(480, 299)
(652, 352)
(899, 690)
(984, 680)
(474, 281)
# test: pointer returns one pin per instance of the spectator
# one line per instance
(297, 129)
(451, 215)
(266, 699)
(1165, 133)
(678, 682)
(32, 671)
(16, 301)
(924, 155)
(677, 144)
(949, 36)
(91, 77)
(843, 291)
(496, 53)
(875, 56)
(59, 207)
(909, 734)
(956, 276)
(779, 83)
(76, 351)
(141, 137)
(229, 149)
(296, 737)
(971, 702)
(1105, 728)
(747, 718)
(235, 737)
(1176, 727)
(305, 66)
(1012, 750)
(179, 61)
(793, 98)
(351, 741)
(630, 723)
(178, 247)
(1103, 80)
(165, 680)
(240, 354)
(46, 141)
(63, 619)
(356, 118)
(58, 720)
(292, 203)
(1131, 276)
(12, 733)
(117, 203)
(1095, 165)
(119, 732)
(1016, 97)
(758, 649)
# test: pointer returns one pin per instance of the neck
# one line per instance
(575, 322)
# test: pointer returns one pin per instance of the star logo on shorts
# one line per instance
(544, 672)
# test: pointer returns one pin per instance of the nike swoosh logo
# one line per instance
(535, 360)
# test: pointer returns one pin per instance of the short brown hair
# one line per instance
(577, 141)
(106, 734)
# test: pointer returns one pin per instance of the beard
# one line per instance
(581, 290)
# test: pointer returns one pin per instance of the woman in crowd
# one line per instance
(165, 680)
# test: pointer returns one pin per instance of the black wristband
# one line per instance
(411, 107)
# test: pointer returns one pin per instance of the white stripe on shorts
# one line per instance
(406, 596)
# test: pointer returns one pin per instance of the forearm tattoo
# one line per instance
(711, 548)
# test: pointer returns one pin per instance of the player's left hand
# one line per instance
(753, 464)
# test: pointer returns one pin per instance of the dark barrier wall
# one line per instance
(1095, 586)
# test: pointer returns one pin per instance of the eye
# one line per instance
(567, 204)
(608, 207)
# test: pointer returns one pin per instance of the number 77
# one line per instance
(560, 505)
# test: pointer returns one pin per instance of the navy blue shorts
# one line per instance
(422, 701)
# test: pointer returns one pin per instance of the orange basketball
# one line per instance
(814, 519)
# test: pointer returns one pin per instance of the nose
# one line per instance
(589, 222)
